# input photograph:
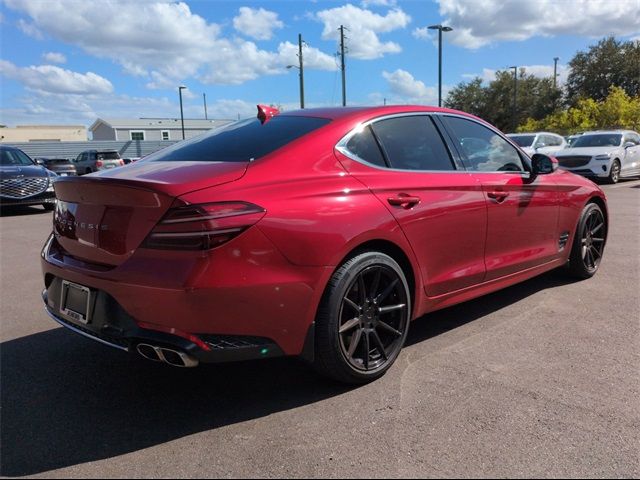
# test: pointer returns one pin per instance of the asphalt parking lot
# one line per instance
(538, 380)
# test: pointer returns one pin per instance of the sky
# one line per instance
(72, 61)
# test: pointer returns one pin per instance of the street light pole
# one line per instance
(555, 71)
(440, 29)
(180, 88)
(515, 96)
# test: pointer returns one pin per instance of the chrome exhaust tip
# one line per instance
(149, 352)
(169, 356)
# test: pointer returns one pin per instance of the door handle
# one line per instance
(403, 200)
(498, 196)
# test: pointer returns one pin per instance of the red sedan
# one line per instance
(315, 233)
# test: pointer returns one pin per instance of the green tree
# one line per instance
(608, 63)
(536, 98)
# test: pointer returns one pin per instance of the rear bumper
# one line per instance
(240, 299)
(111, 326)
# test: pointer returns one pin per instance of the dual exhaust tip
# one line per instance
(166, 355)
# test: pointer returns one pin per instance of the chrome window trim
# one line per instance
(341, 146)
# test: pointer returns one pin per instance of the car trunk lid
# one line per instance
(103, 218)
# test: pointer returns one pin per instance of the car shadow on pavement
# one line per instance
(67, 400)
(19, 211)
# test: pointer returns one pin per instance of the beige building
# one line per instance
(43, 133)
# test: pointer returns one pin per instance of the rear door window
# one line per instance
(413, 143)
(241, 141)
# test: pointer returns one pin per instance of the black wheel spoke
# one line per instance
(375, 284)
(352, 304)
(378, 344)
(355, 340)
(389, 329)
(350, 324)
(391, 308)
(367, 348)
(596, 229)
(385, 293)
(362, 289)
(599, 240)
(595, 253)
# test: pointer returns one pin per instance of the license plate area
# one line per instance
(75, 302)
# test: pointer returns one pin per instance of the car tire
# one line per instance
(614, 173)
(363, 319)
(49, 206)
(87, 171)
(588, 243)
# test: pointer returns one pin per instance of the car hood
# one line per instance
(571, 152)
(19, 171)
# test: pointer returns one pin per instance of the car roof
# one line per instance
(608, 132)
(340, 113)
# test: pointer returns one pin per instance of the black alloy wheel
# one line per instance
(363, 320)
(589, 242)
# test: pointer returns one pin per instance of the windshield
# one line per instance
(14, 157)
(599, 140)
(522, 140)
(241, 141)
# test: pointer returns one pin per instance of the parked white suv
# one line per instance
(609, 155)
(539, 142)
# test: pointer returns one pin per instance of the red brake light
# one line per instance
(121, 162)
(202, 227)
(99, 163)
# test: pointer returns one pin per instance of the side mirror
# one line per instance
(543, 164)
(39, 161)
(629, 144)
(540, 145)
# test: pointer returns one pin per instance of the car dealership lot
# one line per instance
(541, 379)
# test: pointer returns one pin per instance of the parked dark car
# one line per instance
(62, 166)
(91, 161)
(23, 181)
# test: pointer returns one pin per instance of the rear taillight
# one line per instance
(99, 163)
(202, 227)
(120, 162)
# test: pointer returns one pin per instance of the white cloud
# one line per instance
(406, 89)
(52, 79)
(163, 41)
(363, 27)
(477, 24)
(378, 3)
(257, 23)
(422, 34)
(312, 57)
(54, 57)
(30, 29)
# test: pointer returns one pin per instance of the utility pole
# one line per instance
(342, 67)
(180, 88)
(204, 97)
(555, 71)
(440, 29)
(301, 70)
(515, 96)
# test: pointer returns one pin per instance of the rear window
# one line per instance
(599, 140)
(522, 140)
(107, 155)
(241, 141)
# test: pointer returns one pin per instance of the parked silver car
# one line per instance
(91, 161)
(609, 155)
(539, 142)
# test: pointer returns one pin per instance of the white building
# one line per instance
(150, 128)
(43, 133)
